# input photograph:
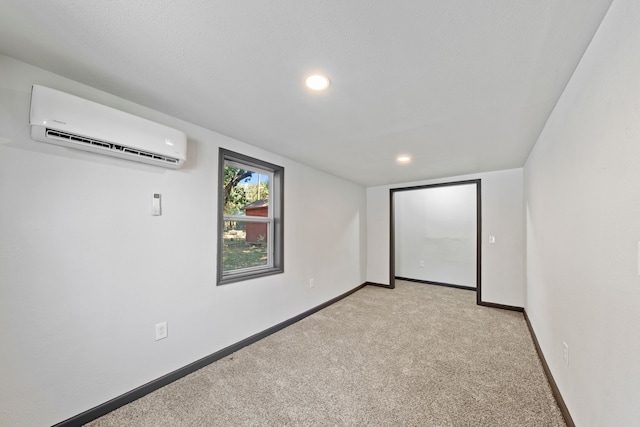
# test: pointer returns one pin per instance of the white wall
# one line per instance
(582, 186)
(86, 271)
(435, 234)
(502, 216)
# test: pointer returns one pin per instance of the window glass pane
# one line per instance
(245, 245)
(246, 191)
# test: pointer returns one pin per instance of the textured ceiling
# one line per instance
(463, 86)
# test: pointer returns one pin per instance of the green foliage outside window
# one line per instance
(237, 194)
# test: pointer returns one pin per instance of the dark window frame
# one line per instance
(276, 189)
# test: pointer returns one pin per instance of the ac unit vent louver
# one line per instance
(69, 121)
(63, 136)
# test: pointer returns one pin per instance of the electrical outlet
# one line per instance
(492, 239)
(421, 263)
(311, 283)
(565, 353)
(161, 331)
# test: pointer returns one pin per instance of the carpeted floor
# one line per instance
(419, 355)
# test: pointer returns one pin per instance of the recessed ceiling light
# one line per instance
(403, 159)
(317, 82)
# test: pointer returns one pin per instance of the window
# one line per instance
(250, 212)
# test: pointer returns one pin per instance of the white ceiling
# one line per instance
(463, 86)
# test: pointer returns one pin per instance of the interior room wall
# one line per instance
(583, 229)
(502, 217)
(435, 234)
(86, 271)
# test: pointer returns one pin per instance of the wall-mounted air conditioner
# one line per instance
(62, 119)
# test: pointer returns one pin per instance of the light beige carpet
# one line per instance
(419, 355)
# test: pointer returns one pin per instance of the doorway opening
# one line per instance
(436, 235)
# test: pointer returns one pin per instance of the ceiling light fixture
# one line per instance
(317, 82)
(403, 159)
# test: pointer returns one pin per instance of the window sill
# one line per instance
(239, 277)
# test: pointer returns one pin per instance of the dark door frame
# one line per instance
(392, 244)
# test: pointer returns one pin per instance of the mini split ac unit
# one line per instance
(62, 119)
